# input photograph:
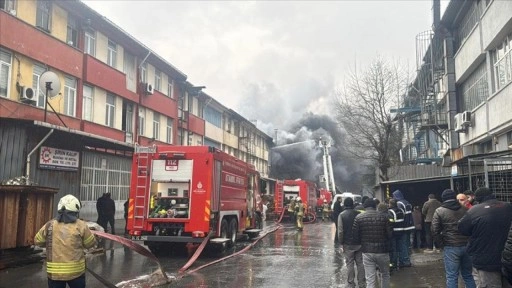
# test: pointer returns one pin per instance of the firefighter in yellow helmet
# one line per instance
(326, 210)
(300, 211)
(65, 238)
(291, 209)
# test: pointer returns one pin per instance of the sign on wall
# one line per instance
(58, 159)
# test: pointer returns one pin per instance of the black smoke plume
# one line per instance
(298, 154)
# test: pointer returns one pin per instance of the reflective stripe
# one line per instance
(65, 268)
(89, 240)
(39, 238)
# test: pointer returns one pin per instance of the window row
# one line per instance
(502, 64)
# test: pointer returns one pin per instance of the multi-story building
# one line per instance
(457, 112)
(109, 92)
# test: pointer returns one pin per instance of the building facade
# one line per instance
(110, 92)
(457, 112)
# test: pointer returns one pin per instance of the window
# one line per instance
(213, 116)
(69, 96)
(87, 105)
(502, 64)
(5, 72)
(8, 5)
(156, 126)
(90, 43)
(169, 137)
(72, 33)
(39, 91)
(142, 120)
(158, 80)
(468, 22)
(144, 73)
(475, 89)
(170, 88)
(112, 54)
(43, 14)
(110, 110)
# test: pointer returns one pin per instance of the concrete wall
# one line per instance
(494, 23)
(469, 51)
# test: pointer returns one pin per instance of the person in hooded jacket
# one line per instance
(397, 254)
(408, 227)
(487, 225)
(447, 236)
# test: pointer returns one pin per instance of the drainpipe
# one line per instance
(27, 174)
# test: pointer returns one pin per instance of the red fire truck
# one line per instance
(287, 190)
(180, 194)
(325, 195)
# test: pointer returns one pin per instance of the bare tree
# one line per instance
(363, 109)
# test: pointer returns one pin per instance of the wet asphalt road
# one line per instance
(283, 258)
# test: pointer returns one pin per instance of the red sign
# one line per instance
(171, 165)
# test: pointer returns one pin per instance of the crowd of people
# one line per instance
(472, 230)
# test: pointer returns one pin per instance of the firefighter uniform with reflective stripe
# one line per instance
(299, 208)
(65, 244)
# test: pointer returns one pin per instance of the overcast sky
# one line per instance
(272, 61)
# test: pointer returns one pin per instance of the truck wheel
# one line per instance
(224, 229)
(233, 230)
(224, 233)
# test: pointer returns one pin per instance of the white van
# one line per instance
(357, 198)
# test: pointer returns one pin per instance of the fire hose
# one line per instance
(311, 216)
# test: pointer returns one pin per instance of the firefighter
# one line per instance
(291, 209)
(65, 238)
(300, 211)
(326, 210)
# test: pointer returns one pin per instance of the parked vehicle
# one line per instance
(356, 197)
(181, 194)
(288, 190)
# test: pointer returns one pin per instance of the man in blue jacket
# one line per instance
(487, 225)
(407, 228)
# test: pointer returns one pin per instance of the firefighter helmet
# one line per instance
(298, 198)
(70, 203)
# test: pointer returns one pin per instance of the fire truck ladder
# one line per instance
(280, 196)
(143, 181)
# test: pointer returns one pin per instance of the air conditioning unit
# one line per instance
(27, 94)
(457, 125)
(148, 89)
(466, 118)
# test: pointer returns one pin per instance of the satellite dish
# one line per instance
(53, 82)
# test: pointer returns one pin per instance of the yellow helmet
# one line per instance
(70, 203)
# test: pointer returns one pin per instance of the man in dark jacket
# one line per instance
(487, 225)
(336, 210)
(506, 260)
(106, 208)
(373, 231)
(351, 249)
(446, 235)
(428, 210)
